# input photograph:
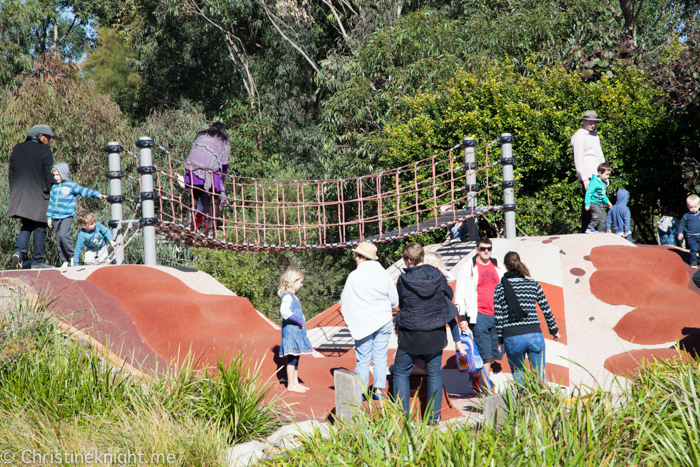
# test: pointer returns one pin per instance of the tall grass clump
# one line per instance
(59, 395)
(653, 421)
(232, 395)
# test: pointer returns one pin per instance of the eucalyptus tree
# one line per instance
(29, 29)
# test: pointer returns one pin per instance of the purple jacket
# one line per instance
(208, 154)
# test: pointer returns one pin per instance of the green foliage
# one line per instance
(243, 273)
(29, 29)
(232, 396)
(654, 422)
(108, 66)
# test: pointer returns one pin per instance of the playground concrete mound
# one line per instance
(616, 304)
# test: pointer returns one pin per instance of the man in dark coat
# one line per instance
(30, 181)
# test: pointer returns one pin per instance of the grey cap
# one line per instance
(41, 130)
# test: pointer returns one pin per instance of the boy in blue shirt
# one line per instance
(93, 237)
(690, 225)
(64, 194)
(619, 216)
(596, 197)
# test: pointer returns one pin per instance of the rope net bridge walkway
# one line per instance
(272, 214)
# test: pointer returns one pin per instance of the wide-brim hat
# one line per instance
(367, 250)
(590, 115)
(41, 130)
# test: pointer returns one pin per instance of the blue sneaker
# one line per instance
(591, 231)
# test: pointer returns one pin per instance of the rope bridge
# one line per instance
(273, 214)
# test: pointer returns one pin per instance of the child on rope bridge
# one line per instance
(62, 200)
(294, 339)
(93, 237)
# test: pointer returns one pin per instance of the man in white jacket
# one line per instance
(474, 298)
(366, 303)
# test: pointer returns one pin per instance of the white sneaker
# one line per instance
(64, 264)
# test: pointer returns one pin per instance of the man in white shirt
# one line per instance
(588, 155)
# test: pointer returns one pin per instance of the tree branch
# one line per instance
(337, 18)
(616, 15)
(272, 17)
(234, 54)
(66, 34)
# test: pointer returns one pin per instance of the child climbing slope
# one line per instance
(294, 340)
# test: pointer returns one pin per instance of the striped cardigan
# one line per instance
(528, 292)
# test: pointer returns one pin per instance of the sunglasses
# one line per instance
(485, 248)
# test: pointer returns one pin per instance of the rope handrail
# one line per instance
(271, 213)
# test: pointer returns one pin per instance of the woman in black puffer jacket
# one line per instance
(425, 302)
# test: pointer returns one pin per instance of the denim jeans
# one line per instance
(39, 230)
(517, 347)
(373, 347)
(403, 364)
(693, 244)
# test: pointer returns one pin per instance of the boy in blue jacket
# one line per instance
(64, 194)
(93, 237)
(690, 225)
(619, 215)
(596, 199)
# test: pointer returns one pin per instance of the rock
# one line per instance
(348, 393)
(494, 409)
(245, 454)
(289, 437)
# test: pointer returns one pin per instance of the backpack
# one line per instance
(469, 362)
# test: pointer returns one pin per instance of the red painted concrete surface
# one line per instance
(657, 282)
(157, 319)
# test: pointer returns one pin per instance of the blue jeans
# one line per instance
(39, 230)
(403, 364)
(693, 243)
(373, 347)
(517, 347)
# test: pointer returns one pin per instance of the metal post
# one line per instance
(147, 195)
(115, 198)
(471, 166)
(508, 184)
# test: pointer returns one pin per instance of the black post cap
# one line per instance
(506, 139)
(114, 148)
(146, 169)
(145, 143)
